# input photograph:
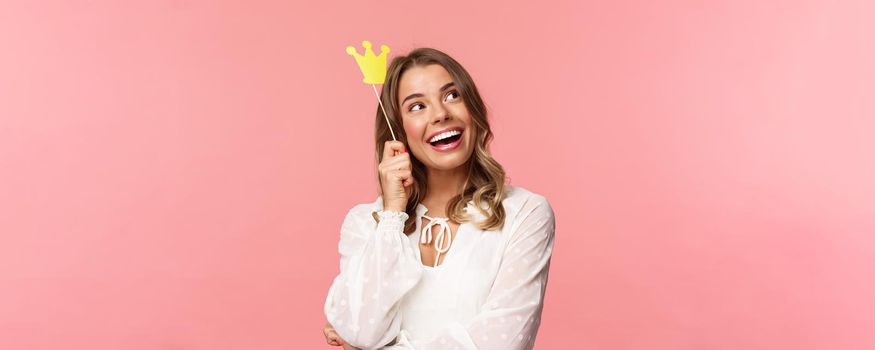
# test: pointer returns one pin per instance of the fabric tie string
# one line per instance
(444, 238)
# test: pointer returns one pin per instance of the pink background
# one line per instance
(173, 174)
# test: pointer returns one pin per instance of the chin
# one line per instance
(455, 160)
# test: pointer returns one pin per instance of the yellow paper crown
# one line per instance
(373, 67)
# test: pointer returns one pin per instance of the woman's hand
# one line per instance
(396, 176)
(333, 339)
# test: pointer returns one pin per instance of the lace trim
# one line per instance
(394, 220)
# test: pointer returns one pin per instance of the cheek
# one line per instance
(461, 112)
(414, 131)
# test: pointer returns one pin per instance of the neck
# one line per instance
(443, 185)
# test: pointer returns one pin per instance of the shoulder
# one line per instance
(527, 208)
(520, 200)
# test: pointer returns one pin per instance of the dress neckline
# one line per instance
(421, 209)
(442, 240)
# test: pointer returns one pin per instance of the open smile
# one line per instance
(446, 140)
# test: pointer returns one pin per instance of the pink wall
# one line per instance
(173, 173)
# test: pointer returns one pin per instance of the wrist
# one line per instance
(393, 207)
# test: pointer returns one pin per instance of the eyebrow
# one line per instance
(446, 86)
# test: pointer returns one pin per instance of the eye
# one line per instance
(413, 108)
(453, 93)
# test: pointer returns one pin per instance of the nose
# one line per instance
(440, 114)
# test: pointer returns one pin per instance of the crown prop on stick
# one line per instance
(373, 67)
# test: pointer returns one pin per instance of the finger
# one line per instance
(408, 181)
(400, 161)
(391, 148)
(403, 174)
(330, 334)
(334, 341)
(397, 172)
(333, 338)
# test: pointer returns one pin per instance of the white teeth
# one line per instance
(444, 135)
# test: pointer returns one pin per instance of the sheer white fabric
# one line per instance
(487, 293)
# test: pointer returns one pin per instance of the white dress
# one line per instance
(487, 293)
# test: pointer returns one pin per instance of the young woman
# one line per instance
(448, 256)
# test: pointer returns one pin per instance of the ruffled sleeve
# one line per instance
(377, 267)
(511, 315)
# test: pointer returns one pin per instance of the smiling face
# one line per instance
(435, 119)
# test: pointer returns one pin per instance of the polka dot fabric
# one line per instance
(489, 292)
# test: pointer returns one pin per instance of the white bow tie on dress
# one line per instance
(444, 237)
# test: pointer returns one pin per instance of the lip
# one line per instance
(461, 129)
(449, 147)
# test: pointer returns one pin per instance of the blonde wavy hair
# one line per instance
(486, 177)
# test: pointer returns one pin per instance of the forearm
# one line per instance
(363, 302)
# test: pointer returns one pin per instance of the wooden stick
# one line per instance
(384, 111)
